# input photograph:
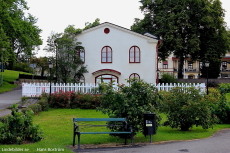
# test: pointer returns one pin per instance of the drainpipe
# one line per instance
(157, 70)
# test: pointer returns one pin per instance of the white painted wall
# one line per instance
(120, 40)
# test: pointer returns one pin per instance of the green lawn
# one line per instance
(58, 132)
(9, 77)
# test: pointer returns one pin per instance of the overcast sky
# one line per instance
(56, 15)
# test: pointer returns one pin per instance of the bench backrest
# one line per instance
(98, 119)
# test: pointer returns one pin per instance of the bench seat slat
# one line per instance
(105, 132)
(98, 119)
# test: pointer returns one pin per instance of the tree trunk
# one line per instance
(180, 67)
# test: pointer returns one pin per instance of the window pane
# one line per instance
(103, 54)
(131, 59)
(103, 59)
(109, 54)
(131, 56)
(132, 49)
(109, 59)
(82, 56)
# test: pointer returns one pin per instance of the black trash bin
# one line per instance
(150, 124)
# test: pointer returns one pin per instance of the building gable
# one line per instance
(106, 28)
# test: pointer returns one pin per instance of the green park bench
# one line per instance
(112, 122)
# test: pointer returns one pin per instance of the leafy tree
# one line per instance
(168, 78)
(4, 45)
(188, 28)
(20, 34)
(69, 66)
(41, 62)
(90, 25)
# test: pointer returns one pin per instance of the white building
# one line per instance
(114, 53)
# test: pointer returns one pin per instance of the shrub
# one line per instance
(24, 110)
(19, 128)
(187, 108)
(74, 100)
(168, 78)
(84, 101)
(44, 103)
(224, 88)
(60, 99)
(222, 108)
(4, 119)
(36, 108)
(131, 102)
(24, 67)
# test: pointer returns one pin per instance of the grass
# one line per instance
(57, 127)
(9, 77)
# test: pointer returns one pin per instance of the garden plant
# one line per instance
(18, 127)
(131, 102)
(186, 107)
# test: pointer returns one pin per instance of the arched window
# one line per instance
(134, 75)
(106, 55)
(81, 54)
(134, 54)
(106, 78)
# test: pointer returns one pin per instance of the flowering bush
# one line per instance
(70, 99)
(60, 99)
(85, 101)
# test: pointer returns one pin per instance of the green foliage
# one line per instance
(19, 128)
(24, 110)
(224, 88)
(187, 28)
(24, 67)
(36, 108)
(218, 105)
(44, 103)
(18, 31)
(84, 101)
(186, 107)
(168, 78)
(41, 62)
(69, 66)
(101, 89)
(8, 77)
(131, 102)
(4, 119)
(90, 25)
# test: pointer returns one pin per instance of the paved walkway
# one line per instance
(7, 99)
(219, 143)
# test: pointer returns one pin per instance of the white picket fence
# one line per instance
(36, 89)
